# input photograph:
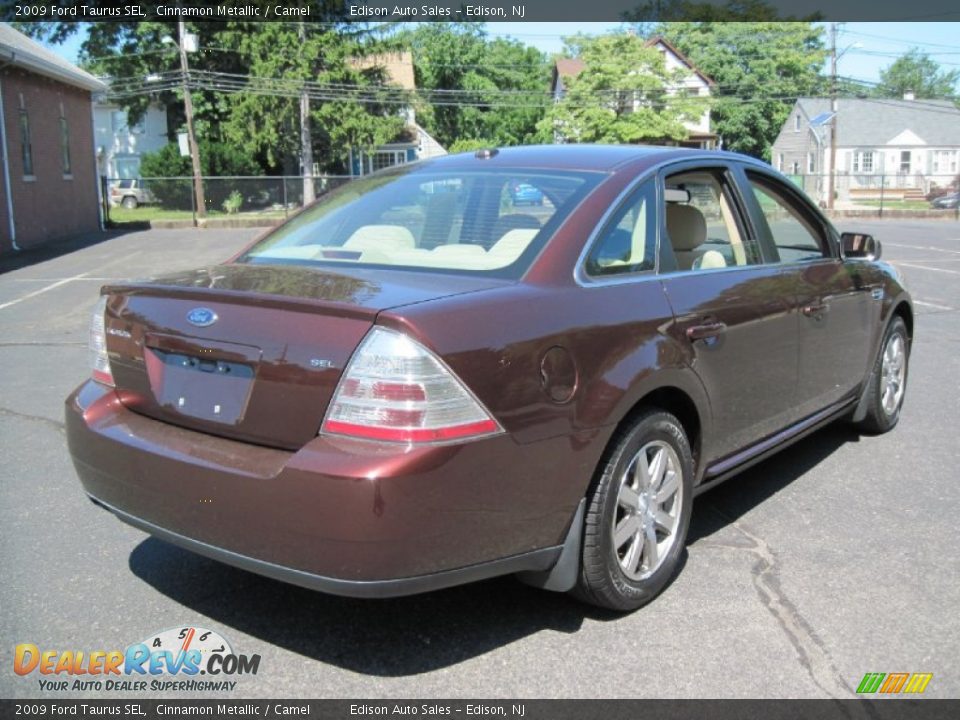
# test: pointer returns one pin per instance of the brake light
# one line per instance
(396, 390)
(99, 362)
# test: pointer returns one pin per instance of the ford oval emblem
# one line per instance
(201, 317)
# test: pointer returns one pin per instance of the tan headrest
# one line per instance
(686, 226)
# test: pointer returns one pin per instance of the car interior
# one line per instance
(701, 227)
(453, 223)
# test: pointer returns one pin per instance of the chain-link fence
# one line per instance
(899, 194)
(266, 199)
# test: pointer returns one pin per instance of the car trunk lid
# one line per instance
(250, 352)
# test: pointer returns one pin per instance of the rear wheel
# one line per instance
(888, 381)
(638, 515)
(129, 202)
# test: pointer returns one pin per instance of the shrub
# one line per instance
(233, 203)
(216, 159)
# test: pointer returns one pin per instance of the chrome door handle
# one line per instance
(700, 332)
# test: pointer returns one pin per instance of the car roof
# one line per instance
(597, 158)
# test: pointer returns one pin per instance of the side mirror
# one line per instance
(859, 245)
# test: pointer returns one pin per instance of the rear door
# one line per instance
(733, 312)
(836, 309)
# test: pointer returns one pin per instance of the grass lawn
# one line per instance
(146, 213)
(898, 204)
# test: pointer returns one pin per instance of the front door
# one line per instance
(835, 306)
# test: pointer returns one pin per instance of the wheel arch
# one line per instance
(905, 312)
(672, 397)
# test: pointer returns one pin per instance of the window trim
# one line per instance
(66, 162)
(628, 201)
(580, 274)
(729, 181)
(800, 203)
(26, 147)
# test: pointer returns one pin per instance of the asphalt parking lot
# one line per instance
(838, 557)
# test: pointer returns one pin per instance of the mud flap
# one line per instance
(563, 575)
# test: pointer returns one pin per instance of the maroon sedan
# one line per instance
(414, 384)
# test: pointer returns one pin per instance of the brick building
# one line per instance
(48, 175)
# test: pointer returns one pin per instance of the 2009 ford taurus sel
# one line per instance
(414, 383)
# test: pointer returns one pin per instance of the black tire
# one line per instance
(129, 202)
(878, 418)
(603, 579)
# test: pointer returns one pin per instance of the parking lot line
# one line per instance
(936, 306)
(924, 267)
(64, 281)
(923, 247)
(42, 290)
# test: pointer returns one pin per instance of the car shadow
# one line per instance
(390, 637)
(405, 636)
(16, 260)
(718, 507)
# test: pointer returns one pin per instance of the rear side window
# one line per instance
(701, 223)
(628, 243)
(794, 236)
(483, 221)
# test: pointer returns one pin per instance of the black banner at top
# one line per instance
(475, 11)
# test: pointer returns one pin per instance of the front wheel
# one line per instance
(129, 202)
(638, 515)
(888, 381)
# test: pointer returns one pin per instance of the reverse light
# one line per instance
(396, 390)
(99, 362)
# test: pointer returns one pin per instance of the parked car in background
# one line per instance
(525, 194)
(402, 389)
(946, 202)
(130, 193)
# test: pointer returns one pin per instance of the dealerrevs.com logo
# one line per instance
(167, 661)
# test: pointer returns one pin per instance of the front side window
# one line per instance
(794, 237)
(481, 221)
(628, 243)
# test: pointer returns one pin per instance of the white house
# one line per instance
(695, 83)
(120, 144)
(910, 146)
(413, 143)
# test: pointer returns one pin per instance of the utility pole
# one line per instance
(306, 142)
(831, 188)
(191, 136)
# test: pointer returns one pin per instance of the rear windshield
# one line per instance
(479, 222)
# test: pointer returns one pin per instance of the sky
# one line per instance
(866, 48)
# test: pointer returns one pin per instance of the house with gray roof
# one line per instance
(903, 148)
(49, 188)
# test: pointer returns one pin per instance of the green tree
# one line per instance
(459, 56)
(263, 124)
(919, 74)
(622, 95)
(760, 69)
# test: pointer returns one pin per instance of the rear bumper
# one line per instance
(341, 516)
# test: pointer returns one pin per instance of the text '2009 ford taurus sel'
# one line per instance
(414, 383)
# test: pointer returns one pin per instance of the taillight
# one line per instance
(99, 362)
(395, 389)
